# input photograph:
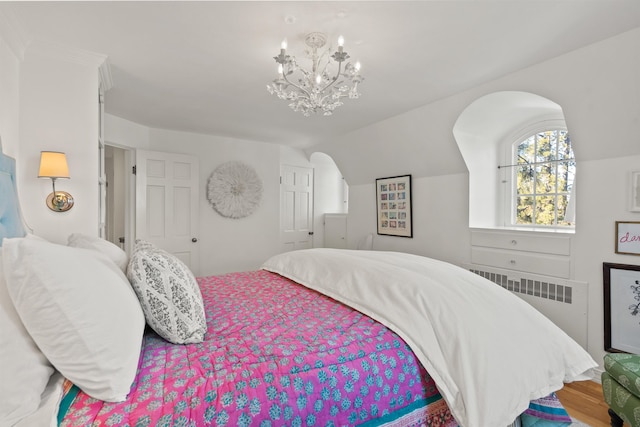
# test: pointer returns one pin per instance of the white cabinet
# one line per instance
(335, 231)
(539, 253)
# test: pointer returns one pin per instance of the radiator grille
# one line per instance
(536, 288)
(563, 301)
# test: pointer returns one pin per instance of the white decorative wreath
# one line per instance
(234, 190)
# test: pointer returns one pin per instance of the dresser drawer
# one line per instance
(548, 265)
(545, 244)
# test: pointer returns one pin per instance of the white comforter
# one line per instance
(489, 352)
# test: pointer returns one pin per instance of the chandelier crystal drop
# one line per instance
(316, 90)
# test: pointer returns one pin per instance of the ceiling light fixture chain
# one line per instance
(317, 90)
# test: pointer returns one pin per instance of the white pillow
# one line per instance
(143, 244)
(25, 370)
(80, 310)
(112, 251)
(33, 236)
(169, 295)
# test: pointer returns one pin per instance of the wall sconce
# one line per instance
(54, 165)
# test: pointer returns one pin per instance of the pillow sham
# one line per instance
(143, 244)
(25, 370)
(112, 251)
(169, 294)
(81, 312)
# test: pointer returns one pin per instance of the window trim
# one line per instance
(508, 177)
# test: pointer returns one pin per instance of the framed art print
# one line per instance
(393, 206)
(628, 237)
(621, 307)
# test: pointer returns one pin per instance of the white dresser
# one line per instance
(540, 253)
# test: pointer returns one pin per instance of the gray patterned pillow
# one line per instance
(169, 295)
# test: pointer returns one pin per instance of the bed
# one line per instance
(318, 337)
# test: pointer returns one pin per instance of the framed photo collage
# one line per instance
(393, 206)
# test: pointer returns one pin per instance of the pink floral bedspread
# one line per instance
(275, 354)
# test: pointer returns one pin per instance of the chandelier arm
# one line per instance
(334, 80)
(284, 76)
(340, 95)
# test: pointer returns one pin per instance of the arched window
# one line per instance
(522, 136)
(544, 171)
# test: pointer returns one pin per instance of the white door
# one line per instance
(296, 207)
(167, 203)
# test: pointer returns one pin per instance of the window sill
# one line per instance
(564, 230)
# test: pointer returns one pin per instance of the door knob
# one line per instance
(194, 240)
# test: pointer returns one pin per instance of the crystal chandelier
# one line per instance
(316, 90)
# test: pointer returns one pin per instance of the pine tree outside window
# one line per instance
(544, 180)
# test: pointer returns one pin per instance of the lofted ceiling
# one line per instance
(203, 66)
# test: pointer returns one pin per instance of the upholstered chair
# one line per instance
(621, 388)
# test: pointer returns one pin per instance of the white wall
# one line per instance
(294, 157)
(9, 99)
(59, 112)
(597, 88)
(328, 194)
(419, 142)
(124, 133)
(602, 198)
(440, 218)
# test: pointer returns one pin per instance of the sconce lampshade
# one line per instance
(53, 165)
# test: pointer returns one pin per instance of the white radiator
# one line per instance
(563, 301)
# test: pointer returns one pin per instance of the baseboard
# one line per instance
(597, 375)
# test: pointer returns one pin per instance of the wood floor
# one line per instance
(583, 400)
